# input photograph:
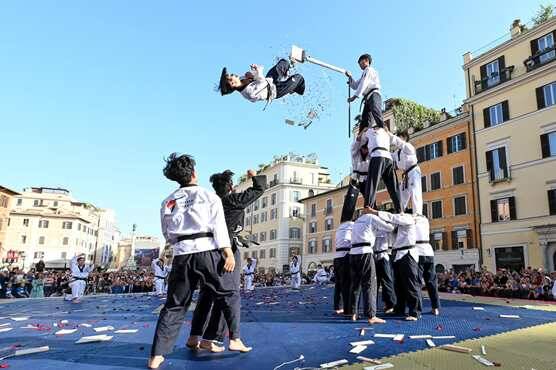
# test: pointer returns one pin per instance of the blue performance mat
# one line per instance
(280, 324)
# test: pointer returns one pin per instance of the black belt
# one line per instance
(422, 242)
(404, 248)
(343, 249)
(249, 273)
(79, 278)
(294, 273)
(404, 176)
(361, 173)
(194, 236)
(368, 95)
(365, 244)
(160, 277)
(378, 148)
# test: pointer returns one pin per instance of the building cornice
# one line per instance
(449, 123)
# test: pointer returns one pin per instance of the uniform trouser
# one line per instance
(407, 285)
(381, 168)
(342, 284)
(249, 282)
(188, 270)
(286, 85)
(385, 278)
(296, 280)
(428, 274)
(372, 110)
(159, 286)
(412, 191)
(350, 200)
(363, 280)
(77, 288)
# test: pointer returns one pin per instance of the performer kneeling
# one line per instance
(79, 276)
(295, 273)
(254, 87)
(426, 262)
(192, 220)
(362, 265)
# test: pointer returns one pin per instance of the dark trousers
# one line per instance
(187, 271)
(428, 274)
(372, 110)
(286, 85)
(407, 285)
(382, 168)
(350, 200)
(385, 278)
(363, 281)
(342, 284)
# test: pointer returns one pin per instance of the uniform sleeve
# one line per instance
(254, 263)
(245, 198)
(397, 218)
(73, 264)
(381, 225)
(153, 264)
(353, 83)
(258, 72)
(396, 141)
(162, 221)
(218, 225)
(363, 83)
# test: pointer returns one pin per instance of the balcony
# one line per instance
(540, 59)
(493, 80)
(296, 180)
(273, 183)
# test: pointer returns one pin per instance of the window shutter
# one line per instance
(424, 184)
(512, 208)
(552, 202)
(449, 143)
(454, 239)
(427, 152)
(463, 140)
(433, 242)
(494, 210)
(489, 164)
(534, 47)
(486, 117)
(545, 146)
(421, 154)
(440, 148)
(469, 239)
(483, 76)
(501, 66)
(445, 245)
(503, 162)
(505, 111)
(540, 97)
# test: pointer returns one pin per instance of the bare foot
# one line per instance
(354, 317)
(155, 362)
(389, 311)
(411, 318)
(238, 346)
(192, 342)
(376, 320)
(339, 312)
(211, 346)
(435, 312)
(76, 301)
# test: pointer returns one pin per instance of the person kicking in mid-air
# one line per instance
(254, 86)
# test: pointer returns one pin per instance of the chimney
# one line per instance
(516, 28)
(467, 57)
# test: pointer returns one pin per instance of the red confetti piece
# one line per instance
(4, 365)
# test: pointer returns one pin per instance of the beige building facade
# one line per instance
(511, 92)
(275, 220)
(6, 200)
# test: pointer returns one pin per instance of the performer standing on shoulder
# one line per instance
(405, 159)
(193, 222)
(367, 88)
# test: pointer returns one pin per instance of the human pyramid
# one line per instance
(204, 227)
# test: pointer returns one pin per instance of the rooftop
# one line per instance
(7, 190)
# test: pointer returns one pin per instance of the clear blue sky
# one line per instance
(93, 94)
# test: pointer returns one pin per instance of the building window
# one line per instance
(43, 224)
(313, 227)
(26, 222)
(497, 165)
(503, 209)
(255, 219)
(273, 199)
(63, 255)
(36, 203)
(312, 247)
(262, 236)
(461, 239)
(546, 95)
(264, 217)
(55, 204)
(296, 212)
(41, 239)
(65, 241)
(272, 252)
(247, 220)
(256, 205)
(295, 195)
(255, 237)
(326, 246)
(424, 184)
(493, 73)
(436, 209)
(274, 214)
(426, 210)
(313, 210)
(272, 234)
(262, 254)
(434, 150)
(457, 143)
(19, 201)
(548, 144)
(460, 207)
(295, 233)
(23, 239)
(552, 201)
(38, 255)
(328, 224)
(435, 181)
(510, 258)
(496, 114)
(4, 201)
(254, 255)
(245, 255)
(328, 206)
(67, 225)
(457, 175)
(264, 202)
(439, 241)
(543, 43)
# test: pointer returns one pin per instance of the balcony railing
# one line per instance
(541, 58)
(493, 80)
(273, 183)
(296, 180)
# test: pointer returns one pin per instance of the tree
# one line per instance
(544, 13)
(408, 114)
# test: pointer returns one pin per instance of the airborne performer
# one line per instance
(254, 86)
